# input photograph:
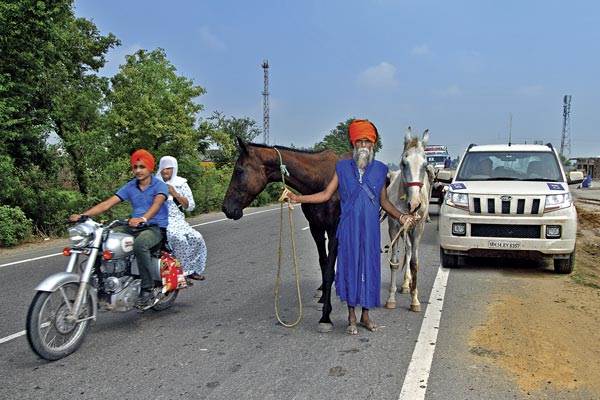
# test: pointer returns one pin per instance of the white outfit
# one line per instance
(187, 243)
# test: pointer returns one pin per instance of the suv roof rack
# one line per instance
(471, 145)
(550, 145)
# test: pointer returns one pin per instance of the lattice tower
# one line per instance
(565, 139)
(265, 93)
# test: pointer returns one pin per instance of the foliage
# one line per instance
(338, 141)
(152, 107)
(210, 189)
(14, 226)
(220, 132)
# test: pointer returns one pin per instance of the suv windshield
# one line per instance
(510, 166)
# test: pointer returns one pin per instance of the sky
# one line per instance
(458, 68)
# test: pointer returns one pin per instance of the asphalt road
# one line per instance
(221, 339)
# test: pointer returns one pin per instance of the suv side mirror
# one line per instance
(574, 177)
(445, 176)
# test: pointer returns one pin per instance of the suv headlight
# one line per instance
(458, 200)
(557, 201)
(81, 235)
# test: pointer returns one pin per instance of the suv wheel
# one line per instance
(564, 265)
(448, 260)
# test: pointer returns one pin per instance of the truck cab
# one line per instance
(509, 201)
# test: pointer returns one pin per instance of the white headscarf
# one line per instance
(170, 162)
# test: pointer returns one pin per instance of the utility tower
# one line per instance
(565, 139)
(265, 93)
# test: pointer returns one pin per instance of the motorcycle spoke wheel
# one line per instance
(50, 333)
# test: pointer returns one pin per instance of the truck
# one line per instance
(436, 155)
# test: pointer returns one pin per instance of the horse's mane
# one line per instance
(286, 148)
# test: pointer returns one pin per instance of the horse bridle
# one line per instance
(415, 183)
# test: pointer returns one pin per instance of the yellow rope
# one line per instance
(280, 252)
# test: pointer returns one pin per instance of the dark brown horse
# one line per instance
(310, 172)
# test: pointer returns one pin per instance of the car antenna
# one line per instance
(509, 129)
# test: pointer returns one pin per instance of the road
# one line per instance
(221, 339)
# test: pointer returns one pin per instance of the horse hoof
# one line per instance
(390, 305)
(404, 290)
(324, 327)
(415, 307)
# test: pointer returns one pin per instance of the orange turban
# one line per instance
(143, 156)
(362, 129)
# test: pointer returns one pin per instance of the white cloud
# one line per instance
(379, 76)
(421, 50)
(530, 90)
(211, 40)
(450, 91)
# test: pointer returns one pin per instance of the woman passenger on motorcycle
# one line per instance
(187, 243)
(147, 196)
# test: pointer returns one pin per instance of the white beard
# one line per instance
(362, 157)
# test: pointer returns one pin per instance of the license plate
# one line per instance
(502, 244)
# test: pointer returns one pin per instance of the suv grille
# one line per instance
(506, 231)
(525, 205)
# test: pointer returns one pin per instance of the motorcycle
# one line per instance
(66, 303)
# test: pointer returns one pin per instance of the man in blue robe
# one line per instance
(361, 185)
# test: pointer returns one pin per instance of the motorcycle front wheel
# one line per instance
(49, 333)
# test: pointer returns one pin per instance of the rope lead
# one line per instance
(284, 173)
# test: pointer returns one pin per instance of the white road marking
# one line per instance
(193, 226)
(305, 228)
(225, 219)
(415, 381)
(11, 337)
(29, 259)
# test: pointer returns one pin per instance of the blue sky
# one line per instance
(456, 67)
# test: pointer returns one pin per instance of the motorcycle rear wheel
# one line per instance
(167, 301)
(50, 335)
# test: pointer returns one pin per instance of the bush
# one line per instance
(14, 226)
(209, 191)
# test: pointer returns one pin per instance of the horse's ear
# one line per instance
(425, 139)
(407, 135)
(242, 145)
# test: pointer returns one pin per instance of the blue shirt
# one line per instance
(141, 200)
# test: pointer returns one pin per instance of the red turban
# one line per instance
(143, 156)
(362, 129)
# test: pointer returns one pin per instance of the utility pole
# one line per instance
(265, 93)
(565, 139)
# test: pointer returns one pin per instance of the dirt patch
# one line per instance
(545, 330)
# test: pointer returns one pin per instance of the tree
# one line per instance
(152, 107)
(47, 56)
(42, 48)
(220, 131)
(338, 141)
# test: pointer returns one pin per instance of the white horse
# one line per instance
(409, 191)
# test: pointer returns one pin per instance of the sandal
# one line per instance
(196, 276)
(351, 329)
(369, 325)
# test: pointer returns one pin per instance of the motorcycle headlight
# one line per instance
(458, 200)
(557, 201)
(81, 235)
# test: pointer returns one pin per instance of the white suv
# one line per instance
(509, 200)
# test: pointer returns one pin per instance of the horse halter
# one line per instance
(415, 183)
